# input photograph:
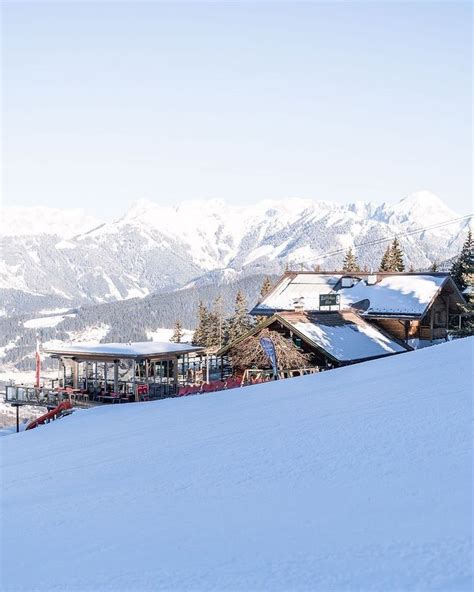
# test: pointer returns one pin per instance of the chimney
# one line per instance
(298, 304)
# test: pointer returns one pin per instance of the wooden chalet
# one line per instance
(329, 339)
(414, 307)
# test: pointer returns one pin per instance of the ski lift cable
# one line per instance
(384, 240)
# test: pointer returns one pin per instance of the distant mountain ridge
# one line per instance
(74, 259)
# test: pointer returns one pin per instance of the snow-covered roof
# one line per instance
(404, 294)
(144, 349)
(344, 336)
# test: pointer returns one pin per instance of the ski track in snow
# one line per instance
(354, 479)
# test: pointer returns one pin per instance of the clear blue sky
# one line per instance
(105, 103)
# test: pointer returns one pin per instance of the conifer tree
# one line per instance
(350, 262)
(434, 267)
(240, 321)
(385, 262)
(266, 287)
(178, 332)
(467, 314)
(463, 265)
(215, 324)
(200, 336)
(396, 257)
(392, 259)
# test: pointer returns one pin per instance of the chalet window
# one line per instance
(440, 318)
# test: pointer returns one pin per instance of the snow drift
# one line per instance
(354, 479)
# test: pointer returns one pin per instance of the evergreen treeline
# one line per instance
(127, 319)
(462, 272)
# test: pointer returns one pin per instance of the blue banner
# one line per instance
(269, 348)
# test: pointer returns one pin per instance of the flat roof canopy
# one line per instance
(114, 351)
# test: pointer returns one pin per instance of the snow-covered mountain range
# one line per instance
(68, 257)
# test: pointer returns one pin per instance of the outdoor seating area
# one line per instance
(124, 373)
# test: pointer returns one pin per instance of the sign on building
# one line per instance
(328, 300)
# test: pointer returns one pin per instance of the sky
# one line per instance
(104, 103)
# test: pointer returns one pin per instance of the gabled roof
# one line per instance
(406, 295)
(111, 351)
(341, 336)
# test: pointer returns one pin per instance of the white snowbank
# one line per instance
(354, 479)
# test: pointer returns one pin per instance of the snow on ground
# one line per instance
(53, 311)
(50, 321)
(353, 479)
(89, 334)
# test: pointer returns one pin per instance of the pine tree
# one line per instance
(240, 321)
(385, 262)
(467, 314)
(434, 267)
(178, 332)
(463, 266)
(392, 259)
(350, 262)
(215, 324)
(266, 287)
(200, 336)
(396, 257)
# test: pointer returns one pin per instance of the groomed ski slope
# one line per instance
(354, 479)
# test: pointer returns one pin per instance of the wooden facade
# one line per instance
(434, 324)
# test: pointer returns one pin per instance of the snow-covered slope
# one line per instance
(154, 248)
(354, 479)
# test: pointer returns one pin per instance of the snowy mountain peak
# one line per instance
(156, 247)
(417, 210)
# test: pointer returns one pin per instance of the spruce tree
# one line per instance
(434, 267)
(215, 324)
(396, 257)
(463, 265)
(350, 262)
(467, 314)
(240, 321)
(385, 262)
(200, 336)
(178, 332)
(266, 287)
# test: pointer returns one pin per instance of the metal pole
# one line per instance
(17, 418)
(133, 381)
